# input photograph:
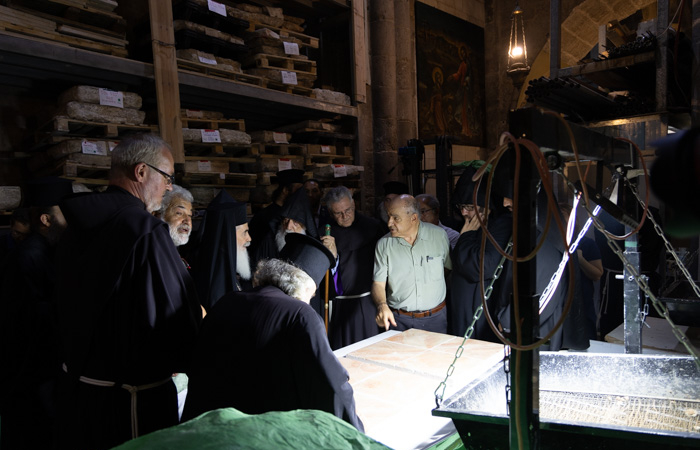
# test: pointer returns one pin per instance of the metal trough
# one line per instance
(590, 401)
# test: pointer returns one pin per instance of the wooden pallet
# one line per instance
(66, 126)
(81, 170)
(270, 163)
(265, 178)
(328, 159)
(308, 41)
(288, 88)
(279, 62)
(241, 180)
(211, 70)
(213, 124)
(323, 149)
(279, 149)
(242, 153)
(244, 78)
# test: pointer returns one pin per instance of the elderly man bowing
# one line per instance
(409, 271)
(266, 349)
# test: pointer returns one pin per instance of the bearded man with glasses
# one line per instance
(127, 307)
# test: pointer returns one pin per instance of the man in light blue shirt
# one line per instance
(409, 271)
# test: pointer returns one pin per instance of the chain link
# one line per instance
(506, 370)
(669, 247)
(440, 391)
(658, 306)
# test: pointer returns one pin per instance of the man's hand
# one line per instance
(385, 316)
(329, 243)
(472, 225)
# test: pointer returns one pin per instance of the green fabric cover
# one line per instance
(228, 428)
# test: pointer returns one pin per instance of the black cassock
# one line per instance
(128, 314)
(262, 351)
(353, 318)
(465, 295)
(29, 354)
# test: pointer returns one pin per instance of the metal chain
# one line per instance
(506, 370)
(554, 281)
(669, 247)
(645, 311)
(659, 306)
(440, 391)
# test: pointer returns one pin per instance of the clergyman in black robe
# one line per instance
(216, 254)
(128, 309)
(264, 350)
(29, 354)
(466, 294)
(264, 222)
(356, 236)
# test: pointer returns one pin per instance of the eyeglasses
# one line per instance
(426, 211)
(345, 213)
(169, 179)
(467, 208)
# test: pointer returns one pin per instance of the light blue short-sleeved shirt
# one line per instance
(414, 274)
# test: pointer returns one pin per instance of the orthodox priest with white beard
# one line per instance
(221, 263)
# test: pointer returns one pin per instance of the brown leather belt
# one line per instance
(420, 314)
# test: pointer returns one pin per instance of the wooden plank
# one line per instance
(81, 33)
(63, 20)
(72, 41)
(165, 69)
(21, 18)
(359, 53)
(279, 62)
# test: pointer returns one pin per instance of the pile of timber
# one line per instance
(77, 142)
(85, 24)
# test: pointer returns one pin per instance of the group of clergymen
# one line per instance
(99, 309)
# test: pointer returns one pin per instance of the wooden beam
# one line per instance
(165, 70)
(360, 58)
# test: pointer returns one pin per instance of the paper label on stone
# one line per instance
(91, 148)
(203, 60)
(194, 113)
(109, 97)
(289, 77)
(339, 170)
(112, 144)
(325, 149)
(204, 166)
(280, 138)
(217, 7)
(211, 136)
(284, 164)
(291, 48)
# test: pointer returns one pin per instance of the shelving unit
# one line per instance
(40, 69)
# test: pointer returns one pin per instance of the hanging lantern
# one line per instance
(517, 49)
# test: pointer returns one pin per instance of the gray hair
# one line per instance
(292, 280)
(411, 204)
(430, 200)
(336, 194)
(137, 148)
(177, 192)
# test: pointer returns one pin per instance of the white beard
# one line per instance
(279, 238)
(243, 263)
(179, 238)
